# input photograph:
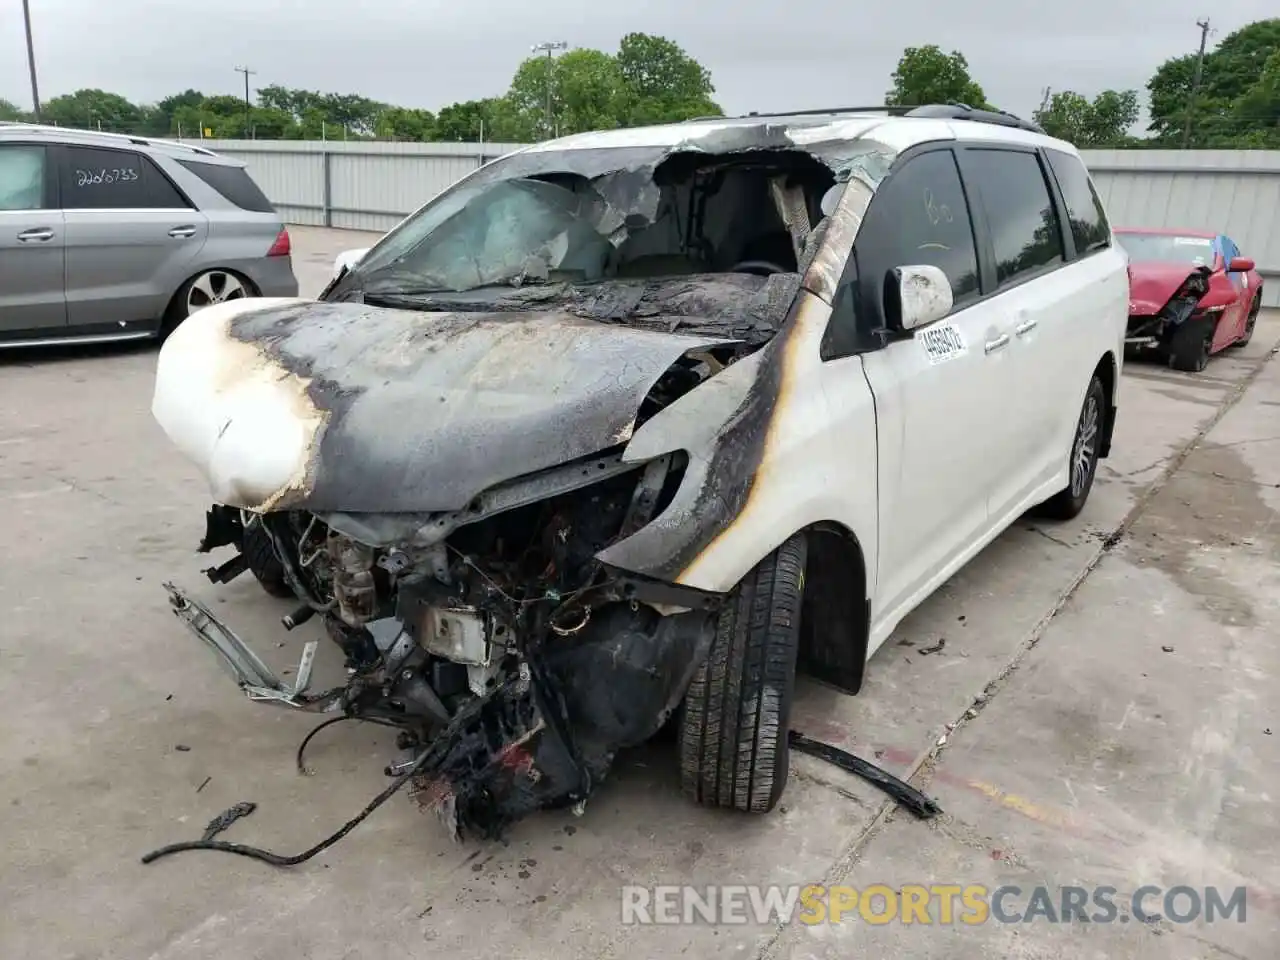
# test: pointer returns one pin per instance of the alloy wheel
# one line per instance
(215, 286)
(1084, 451)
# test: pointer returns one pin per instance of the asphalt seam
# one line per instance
(845, 861)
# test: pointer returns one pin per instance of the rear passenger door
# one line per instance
(31, 242)
(1040, 303)
(131, 237)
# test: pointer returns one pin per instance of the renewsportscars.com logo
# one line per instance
(935, 904)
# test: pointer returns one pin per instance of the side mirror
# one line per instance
(923, 295)
(346, 260)
(1240, 265)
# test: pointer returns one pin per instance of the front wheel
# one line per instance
(1190, 346)
(260, 553)
(733, 732)
(1067, 503)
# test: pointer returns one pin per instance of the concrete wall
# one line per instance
(371, 186)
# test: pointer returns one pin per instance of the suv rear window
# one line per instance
(233, 183)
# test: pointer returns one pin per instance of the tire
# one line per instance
(1067, 503)
(733, 730)
(1250, 322)
(1190, 346)
(260, 554)
(202, 290)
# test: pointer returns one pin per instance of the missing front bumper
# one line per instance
(254, 678)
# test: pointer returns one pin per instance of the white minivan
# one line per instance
(630, 426)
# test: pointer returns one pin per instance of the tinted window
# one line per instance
(21, 177)
(919, 216)
(114, 179)
(1084, 210)
(233, 183)
(1015, 197)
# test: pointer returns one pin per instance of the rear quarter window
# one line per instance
(1089, 227)
(233, 183)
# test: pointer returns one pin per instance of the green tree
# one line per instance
(665, 84)
(493, 119)
(587, 92)
(89, 109)
(10, 111)
(404, 123)
(927, 75)
(1231, 72)
(158, 119)
(1101, 122)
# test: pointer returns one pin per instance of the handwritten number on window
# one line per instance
(936, 212)
(106, 175)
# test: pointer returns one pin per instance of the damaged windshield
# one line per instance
(582, 216)
(510, 232)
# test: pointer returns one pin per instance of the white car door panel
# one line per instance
(938, 414)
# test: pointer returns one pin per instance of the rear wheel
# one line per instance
(204, 290)
(260, 553)
(1085, 446)
(1190, 346)
(733, 736)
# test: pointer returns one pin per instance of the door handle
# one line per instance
(182, 233)
(994, 345)
(38, 233)
(1025, 327)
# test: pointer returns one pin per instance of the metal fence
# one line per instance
(359, 185)
(371, 186)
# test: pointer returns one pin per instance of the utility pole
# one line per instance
(31, 61)
(1195, 82)
(549, 47)
(247, 105)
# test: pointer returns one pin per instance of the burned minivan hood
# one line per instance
(346, 407)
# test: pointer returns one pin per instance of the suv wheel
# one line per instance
(260, 553)
(1067, 503)
(203, 290)
(1189, 348)
(733, 736)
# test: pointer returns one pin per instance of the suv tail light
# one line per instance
(282, 247)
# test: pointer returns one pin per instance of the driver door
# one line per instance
(942, 412)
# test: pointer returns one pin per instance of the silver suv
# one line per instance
(112, 237)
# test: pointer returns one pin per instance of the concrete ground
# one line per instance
(1111, 683)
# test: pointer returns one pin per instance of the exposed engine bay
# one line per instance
(1155, 330)
(539, 661)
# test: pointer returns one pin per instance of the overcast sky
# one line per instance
(784, 54)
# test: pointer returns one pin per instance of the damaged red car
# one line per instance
(1192, 294)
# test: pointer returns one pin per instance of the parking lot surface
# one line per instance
(1102, 712)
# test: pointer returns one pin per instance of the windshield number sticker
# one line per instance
(942, 343)
(1192, 242)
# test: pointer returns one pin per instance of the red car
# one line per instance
(1191, 294)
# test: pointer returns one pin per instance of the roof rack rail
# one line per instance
(936, 111)
(962, 111)
(141, 141)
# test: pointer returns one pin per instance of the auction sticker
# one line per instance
(942, 343)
